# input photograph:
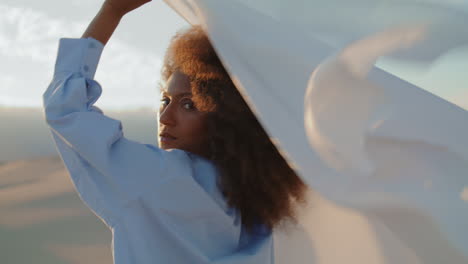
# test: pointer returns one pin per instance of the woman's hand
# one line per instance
(106, 21)
(122, 7)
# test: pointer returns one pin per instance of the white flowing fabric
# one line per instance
(386, 162)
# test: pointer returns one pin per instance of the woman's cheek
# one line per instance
(199, 128)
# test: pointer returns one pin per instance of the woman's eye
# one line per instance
(188, 105)
(165, 101)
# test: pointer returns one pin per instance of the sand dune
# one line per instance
(42, 219)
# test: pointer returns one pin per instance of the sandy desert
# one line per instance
(42, 219)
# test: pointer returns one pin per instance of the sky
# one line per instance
(129, 67)
(130, 64)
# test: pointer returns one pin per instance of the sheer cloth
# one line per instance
(386, 161)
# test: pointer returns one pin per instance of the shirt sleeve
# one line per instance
(107, 169)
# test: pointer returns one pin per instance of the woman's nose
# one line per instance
(166, 116)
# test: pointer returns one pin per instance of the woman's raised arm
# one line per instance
(108, 169)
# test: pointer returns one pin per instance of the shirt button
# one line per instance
(86, 68)
(92, 45)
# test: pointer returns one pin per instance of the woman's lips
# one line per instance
(166, 137)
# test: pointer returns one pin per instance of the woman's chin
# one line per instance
(166, 145)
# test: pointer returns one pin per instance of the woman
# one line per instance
(212, 192)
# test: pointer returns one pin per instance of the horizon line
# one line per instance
(104, 108)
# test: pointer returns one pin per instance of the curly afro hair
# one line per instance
(255, 179)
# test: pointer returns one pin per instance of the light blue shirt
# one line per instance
(162, 206)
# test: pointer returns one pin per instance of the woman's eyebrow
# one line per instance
(177, 95)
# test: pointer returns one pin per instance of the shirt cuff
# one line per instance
(78, 55)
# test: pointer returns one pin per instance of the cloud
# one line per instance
(28, 33)
(28, 48)
(128, 75)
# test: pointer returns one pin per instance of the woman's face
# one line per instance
(181, 125)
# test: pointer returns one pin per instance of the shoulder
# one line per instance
(207, 175)
(204, 169)
(181, 162)
(173, 156)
